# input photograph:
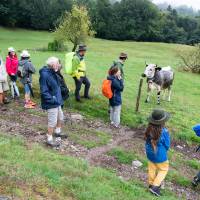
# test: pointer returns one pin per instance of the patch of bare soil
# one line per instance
(32, 127)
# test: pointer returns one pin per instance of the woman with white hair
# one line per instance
(12, 68)
(51, 100)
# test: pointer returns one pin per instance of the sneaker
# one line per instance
(6, 101)
(155, 190)
(32, 103)
(61, 135)
(195, 181)
(29, 106)
(53, 143)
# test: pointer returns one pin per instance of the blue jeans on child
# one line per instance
(27, 88)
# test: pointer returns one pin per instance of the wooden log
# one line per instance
(139, 95)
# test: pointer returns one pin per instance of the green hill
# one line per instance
(33, 172)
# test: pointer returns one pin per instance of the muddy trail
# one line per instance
(31, 124)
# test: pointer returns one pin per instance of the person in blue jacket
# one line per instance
(115, 102)
(51, 99)
(196, 179)
(157, 145)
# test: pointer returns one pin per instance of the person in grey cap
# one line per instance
(79, 73)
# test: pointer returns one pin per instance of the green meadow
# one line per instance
(33, 172)
(184, 106)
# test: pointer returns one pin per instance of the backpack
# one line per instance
(106, 89)
(21, 73)
(68, 62)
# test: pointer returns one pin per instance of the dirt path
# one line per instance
(31, 125)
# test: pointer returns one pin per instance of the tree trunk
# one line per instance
(74, 48)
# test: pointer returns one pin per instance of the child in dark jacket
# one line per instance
(115, 102)
(157, 145)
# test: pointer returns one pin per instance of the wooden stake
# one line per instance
(139, 95)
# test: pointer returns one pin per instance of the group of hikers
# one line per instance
(54, 92)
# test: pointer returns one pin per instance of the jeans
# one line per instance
(157, 172)
(78, 82)
(115, 112)
(27, 89)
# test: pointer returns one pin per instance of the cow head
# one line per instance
(150, 70)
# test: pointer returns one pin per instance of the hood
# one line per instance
(23, 62)
(111, 77)
(46, 70)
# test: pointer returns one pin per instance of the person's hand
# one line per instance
(12, 74)
(119, 77)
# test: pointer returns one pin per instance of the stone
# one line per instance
(76, 117)
(136, 164)
(179, 147)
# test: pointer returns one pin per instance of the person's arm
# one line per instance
(8, 65)
(118, 85)
(75, 65)
(166, 139)
(31, 68)
(44, 89)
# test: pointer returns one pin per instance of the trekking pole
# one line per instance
(139, 95)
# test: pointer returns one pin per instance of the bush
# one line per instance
(56, 46)
(191, 59)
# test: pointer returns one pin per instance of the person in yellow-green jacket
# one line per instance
(79, 73)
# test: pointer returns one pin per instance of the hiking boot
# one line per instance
(155, 190)
(53, 143)
(78, 100)
(61, 135)
(88, 97)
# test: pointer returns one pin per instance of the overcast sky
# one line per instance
(194, 3)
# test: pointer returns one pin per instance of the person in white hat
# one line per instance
(12, 68)
(25, 71)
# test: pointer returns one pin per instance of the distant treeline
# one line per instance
(138, 20)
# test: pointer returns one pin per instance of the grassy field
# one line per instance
(185, 97)
(33, 172)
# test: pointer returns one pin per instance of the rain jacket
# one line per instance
(3, 73)
(163, 145)
(28, 69)
(50, 89)
(117, 87)
(78, 66)
(11, 65)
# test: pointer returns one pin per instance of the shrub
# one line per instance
(56, 46)
(191, 59)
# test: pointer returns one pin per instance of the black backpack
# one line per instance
(63, 86)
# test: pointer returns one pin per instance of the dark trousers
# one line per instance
(78, 82)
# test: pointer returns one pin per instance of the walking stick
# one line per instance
(139, 95)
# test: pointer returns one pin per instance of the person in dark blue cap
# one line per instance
(196, 179)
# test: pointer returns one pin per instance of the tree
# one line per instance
(75, 26)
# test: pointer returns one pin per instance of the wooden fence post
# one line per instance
(139, 95)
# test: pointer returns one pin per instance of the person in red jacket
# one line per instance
(12, 68)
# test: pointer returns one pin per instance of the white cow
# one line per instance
(160, 79)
